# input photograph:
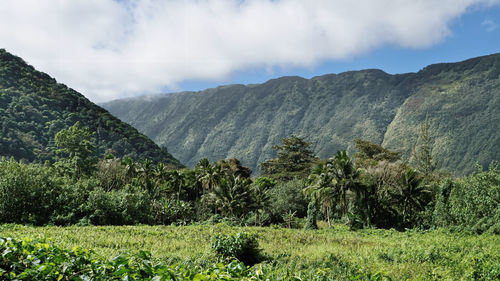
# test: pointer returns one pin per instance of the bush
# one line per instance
(28, 192)
(242, 246)
(72, 200)
(33, 260)
(287, 197)
(168, 211)
(471, 203)
(126, 206)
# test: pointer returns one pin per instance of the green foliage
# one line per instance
(242, 246)
(34, 107)
(325, 254)
(111, 174)
(294, 160)
(233, 196)
(370, 153)
(471, 203)
(118, 207)
(76, 144)
(233, 167)
(28, 193)
(423, 151)
(261, 196)
(33, 260)
(311, 216)
(410, 197)
(441, 215)
(333, 182)
(286, 197)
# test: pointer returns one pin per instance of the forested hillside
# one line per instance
(34, 107)
(461, 101)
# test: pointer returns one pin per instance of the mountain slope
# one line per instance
(34, 107)
(461, 100)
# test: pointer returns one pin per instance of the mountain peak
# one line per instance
(34, 107)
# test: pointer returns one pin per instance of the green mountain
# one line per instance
(461, 100)
(34, 107)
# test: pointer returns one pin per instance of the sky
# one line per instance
(109, 49)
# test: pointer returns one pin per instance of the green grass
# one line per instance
(433, 255)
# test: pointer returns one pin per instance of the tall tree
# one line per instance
(233, 196)
(233, 167)
(311, 215)
(294, 160)
(207, 175)
(410, 195)
(422, 153)
(346, 176)
(333, 182)
(261, 195)
(322, 188)
(76, 145)
(369, 154)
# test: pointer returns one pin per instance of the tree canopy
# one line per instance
(295, 159)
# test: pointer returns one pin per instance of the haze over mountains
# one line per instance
(461, 100)
(34, 107)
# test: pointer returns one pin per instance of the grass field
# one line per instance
(432, 255)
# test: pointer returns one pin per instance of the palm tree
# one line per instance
(232, 195)
(207, 174)
(160, 176)
(176, 182)
(322, 188)
(261, 195)
(410, 193)
(345, 175)
(144, 176)
(130, 167)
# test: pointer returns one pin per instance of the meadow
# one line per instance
(334, 254)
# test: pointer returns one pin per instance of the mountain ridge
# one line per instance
(330, 111)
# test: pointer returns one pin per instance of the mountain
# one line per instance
(461, 101)
(34, 107)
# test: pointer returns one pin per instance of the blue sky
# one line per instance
(109, 49)
(475, 33)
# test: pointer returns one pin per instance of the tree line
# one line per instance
(372, 188)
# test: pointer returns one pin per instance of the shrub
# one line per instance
(311, 216)
(287, 197)
(242, 246)
(33, 260)
(471, 203)
(168, 211)
(28, 192)
(117, 207)
(72, 200)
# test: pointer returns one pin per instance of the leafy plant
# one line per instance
(311, 215)
(242, 246)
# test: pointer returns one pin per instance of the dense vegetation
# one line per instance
(34, 107)
(373, 189)
(461, 100)
(324, 254)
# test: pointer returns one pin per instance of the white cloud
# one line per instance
(489, 25)
(107, 49)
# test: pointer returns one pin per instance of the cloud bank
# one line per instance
(108, 49)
